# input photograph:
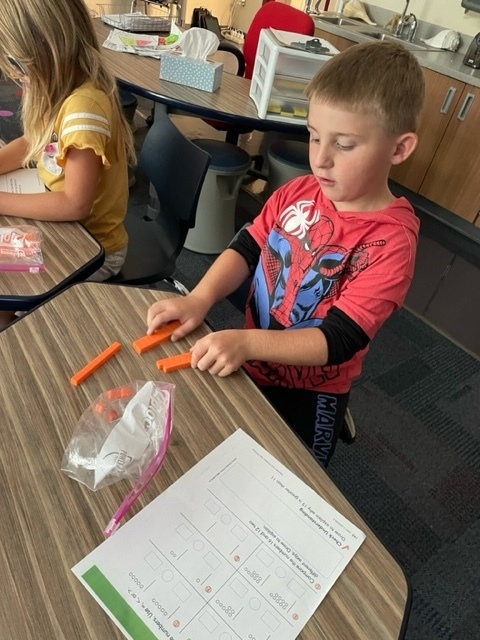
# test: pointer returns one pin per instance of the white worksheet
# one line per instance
(21, 181)
(238, 548)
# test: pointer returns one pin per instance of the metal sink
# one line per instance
(338, 20)
(352, 26)
(414, 45)
(335, 18)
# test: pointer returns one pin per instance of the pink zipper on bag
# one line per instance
(144, 480)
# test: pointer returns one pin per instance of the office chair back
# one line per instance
(277, 16)
(176, 168)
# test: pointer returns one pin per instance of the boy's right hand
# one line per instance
(189, 310)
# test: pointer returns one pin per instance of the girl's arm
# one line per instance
(82, 172)
(12, 155)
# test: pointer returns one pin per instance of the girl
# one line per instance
(73, 124)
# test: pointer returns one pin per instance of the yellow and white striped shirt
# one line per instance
(86, 121)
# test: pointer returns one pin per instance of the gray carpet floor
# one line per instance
(414, 470)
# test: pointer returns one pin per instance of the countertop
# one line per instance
(447, 62)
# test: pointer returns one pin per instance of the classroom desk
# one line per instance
(231, 103)
(49, 522)
(70, 254)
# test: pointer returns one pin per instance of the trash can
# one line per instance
(215, 219)
(287, 159)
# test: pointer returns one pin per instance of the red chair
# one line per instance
(277, 16)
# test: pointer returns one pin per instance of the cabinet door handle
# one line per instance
(447, 103)
(465, 108)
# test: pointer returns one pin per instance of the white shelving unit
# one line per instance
(281, 75)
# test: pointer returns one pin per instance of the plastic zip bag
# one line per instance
(21, 249)
(119, 434)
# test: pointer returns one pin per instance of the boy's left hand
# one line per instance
(221, 353)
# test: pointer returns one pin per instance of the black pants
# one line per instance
(317, 418)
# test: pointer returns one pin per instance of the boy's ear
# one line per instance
(404, 147)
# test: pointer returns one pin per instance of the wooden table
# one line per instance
(49, 522)
(70, 254)
(230, 103)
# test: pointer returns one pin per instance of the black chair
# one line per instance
(176, 168)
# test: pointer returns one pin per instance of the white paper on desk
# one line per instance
(140, 44)
(237, 548)
(21, 181)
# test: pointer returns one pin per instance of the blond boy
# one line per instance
(332, 253)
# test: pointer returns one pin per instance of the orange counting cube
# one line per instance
(161, 335)
(121, 392)
(95, 364)
(100, 407)
(181, 361)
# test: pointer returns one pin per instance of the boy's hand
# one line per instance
(190, 311)
(221, 353)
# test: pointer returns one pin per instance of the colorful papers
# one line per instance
(141, 44)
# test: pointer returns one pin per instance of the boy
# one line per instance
(332, 253)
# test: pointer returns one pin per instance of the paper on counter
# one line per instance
(238, 547)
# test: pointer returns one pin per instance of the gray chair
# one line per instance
(176, 168)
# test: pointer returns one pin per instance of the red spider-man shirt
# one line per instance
(314, 257)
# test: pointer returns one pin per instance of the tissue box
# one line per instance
(199, 74)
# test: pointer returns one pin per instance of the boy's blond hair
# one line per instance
(56, 44)
(382, 78)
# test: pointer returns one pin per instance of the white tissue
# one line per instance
(446, 39)
(199, 43)
(128, 439)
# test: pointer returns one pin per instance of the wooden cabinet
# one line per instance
(453, 178)
(340, 43)
(445, 167)
(442, 95)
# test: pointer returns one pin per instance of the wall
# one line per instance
(221, 9)
(93, 5)
(243, 16)
(445, 13)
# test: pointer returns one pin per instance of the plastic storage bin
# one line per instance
(281, 75)
(136, 15)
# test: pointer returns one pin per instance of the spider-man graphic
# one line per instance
(299, 269)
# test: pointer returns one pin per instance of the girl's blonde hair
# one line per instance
(54, 41)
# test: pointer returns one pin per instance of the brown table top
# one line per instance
(50, 522)
(70, 253)
(230, 103)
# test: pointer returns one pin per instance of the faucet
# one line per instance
(412, 29)
(316, 8)
(401, 22)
